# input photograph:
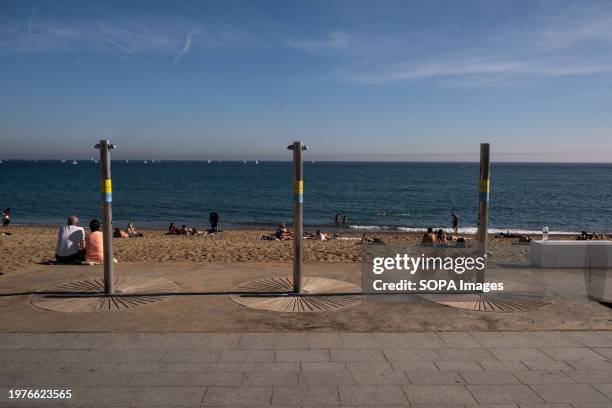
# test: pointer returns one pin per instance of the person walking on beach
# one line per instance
(70, 247)
(214, 222)
(455, 222)
(6, 217)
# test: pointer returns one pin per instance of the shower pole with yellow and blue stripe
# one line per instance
(483, 202)
(298, 213)
(107, 209)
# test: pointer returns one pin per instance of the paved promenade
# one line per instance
(449, 369)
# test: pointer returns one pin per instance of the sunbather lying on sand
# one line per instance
(120, 234)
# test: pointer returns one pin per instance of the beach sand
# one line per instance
(29, 245)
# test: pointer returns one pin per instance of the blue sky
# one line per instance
(376, 80)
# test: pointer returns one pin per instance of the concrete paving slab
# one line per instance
(489, 377)
(564, 393)
(434, 378)
(237, 396)
(543, 377)
(369, 395)
(438, 394)
(503, 394)
(305, 396)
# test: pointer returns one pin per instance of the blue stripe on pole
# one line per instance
(484, 196)
(107, 197)
(299, 197)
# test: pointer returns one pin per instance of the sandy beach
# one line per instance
(29, 245)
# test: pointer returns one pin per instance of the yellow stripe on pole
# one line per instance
(485, 186)
(298, 186)
(107, 186)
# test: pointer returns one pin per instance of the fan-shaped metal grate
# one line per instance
(88, 295)
(319, 295)
(491, 302)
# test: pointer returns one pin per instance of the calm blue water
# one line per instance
(566, 197)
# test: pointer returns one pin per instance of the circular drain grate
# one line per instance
(318, 295)
(483, 302)
(87, 295)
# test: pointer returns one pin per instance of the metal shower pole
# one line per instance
(483, 203)
(107, 209)
(298, 212)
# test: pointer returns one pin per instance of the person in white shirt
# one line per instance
(70, 246)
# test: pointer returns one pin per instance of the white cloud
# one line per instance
(334, 42)
(552, 41)
(481, 70)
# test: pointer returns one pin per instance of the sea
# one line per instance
(374, 196)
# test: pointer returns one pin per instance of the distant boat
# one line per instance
(244, 162)
(312, 161)
(145, 162)
(127, 161)
(92, 159)
(256, 162)
(63, 161)
(208, 161)
(95, 161)
(74, 162)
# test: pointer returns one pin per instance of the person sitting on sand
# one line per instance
(429, 237)
(70, 247)
(320, 236)
(283, 233)
(6, 217)
(120, 234)
(172, 230)
(441, 237)
(184, 230)
(214, 222)
(94, 244)
(131, 231)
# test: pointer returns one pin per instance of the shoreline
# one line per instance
(351, 228)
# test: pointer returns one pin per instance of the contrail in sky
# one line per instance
(31, 18)
(185, 49)
(123, 48)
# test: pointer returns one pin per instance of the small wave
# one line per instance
(464, 230)
(368, 227)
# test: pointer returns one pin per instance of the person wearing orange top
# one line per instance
(94, 247)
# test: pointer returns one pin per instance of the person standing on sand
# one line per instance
(455, 222)
(6, 217)
(214, 221)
